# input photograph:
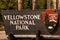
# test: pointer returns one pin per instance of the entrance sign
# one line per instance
(29, 21)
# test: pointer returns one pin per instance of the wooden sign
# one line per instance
(27, 22)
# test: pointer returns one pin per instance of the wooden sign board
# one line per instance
(25, 22)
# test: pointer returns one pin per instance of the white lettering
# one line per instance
(5, 17)
(17, 17)
(23, 27)
(19, 22)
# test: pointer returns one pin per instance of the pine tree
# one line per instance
(8, 4)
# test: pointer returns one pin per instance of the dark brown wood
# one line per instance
(11, 37)
(39, 26)
(38, 35)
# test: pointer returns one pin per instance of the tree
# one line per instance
(8, 4)
(27, 4)
(41, 4)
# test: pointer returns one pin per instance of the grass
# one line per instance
(1, 28)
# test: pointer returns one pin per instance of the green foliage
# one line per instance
(41, 4)
(27, 4)
(1, 28)
(8, 4)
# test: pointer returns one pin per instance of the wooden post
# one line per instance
(38, 35)
(19, 4)
(48, 4)
(34, 4)
(11, 37)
